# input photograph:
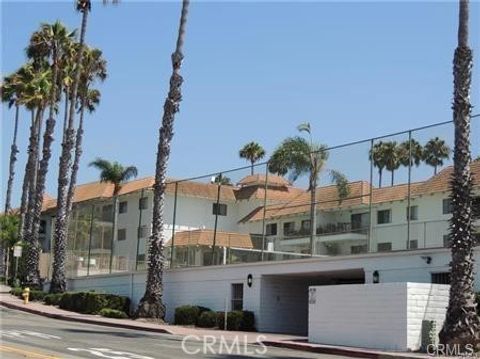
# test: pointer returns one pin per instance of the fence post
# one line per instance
(138, 229)
(370, 204)
(216, 217)
(92, 218)
(409, 209)
(264, 210)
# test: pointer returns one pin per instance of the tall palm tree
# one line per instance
(462, 324)
(377, 155)
(10, 95)
(298, 156)
(151, 305)
(252, 152)
(94, 67)
(410, 153)
(115, 173)
(48, 44)
(435, 152)
(392, 158)
(58, 283)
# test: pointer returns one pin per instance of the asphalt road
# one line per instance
(26, 335)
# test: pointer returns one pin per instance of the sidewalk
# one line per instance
(269, 339)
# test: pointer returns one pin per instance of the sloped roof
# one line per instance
(204, 237)
(259, 180)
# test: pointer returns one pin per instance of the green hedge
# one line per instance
(35, 295)
(187, 315)
(113, 313)
(52, 299)
(208, 319)
(237, 320)
(92, 303)
(248, 321)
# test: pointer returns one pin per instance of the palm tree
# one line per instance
(151, 304)
(462, 324)
(47, 44)
(10, 95)
(252, 152)
(94, 67)
(392, 158)
(409, 156)
(435, 152)
(223, 180)
(61, 219)
(299, 156)
(115, 173)
(377, 155)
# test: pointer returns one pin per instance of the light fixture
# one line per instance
(427, 259)
(249, 280)
(376, 277)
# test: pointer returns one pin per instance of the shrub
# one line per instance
(35, 295)
(186, 315)
(248, 321)
(234, 320)
(208, 319)
(113, 313)
(92, 303)
(53, 299)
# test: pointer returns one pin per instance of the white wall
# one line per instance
(383, 316)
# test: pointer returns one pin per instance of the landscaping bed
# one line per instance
(107, 305)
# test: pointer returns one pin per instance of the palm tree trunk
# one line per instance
(151, 305)
(462, 324)
(13, 159)
(393, 177)
(76, 161)
(26, 181)
(251, 168)
(59, 283)
(113, 239)
(313, 216)
(435, 170)
(42, 174)
(380, 172)
(32, 275)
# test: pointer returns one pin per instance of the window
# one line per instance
(413, 244)
(271, 229)
(123, 207)
(413, 213)
(384, 247)
(288, 228)
(384, 216)
(43, 226)
(358, 249)
(121, 234)
(237, 296)
(143, 203)
(107, 212)
(446, 239)
(447, 206)
(220, 209)
(306, 224)
(141, 258)
(359, 220)
(143, 231)
(441, 278)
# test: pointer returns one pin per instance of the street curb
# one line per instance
(83, 320)
(364, 353)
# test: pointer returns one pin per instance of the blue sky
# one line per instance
(253, 71)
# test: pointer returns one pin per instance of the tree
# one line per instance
(223, 180)
(435, 152)
(462, 324)
(410, 156)
(377, 155)
(46, 45)
(115, 173)
(298, 156)
(10, 95)
(8, 234)
(392, 158)
(151, 305)
(58, 283)
(252, 152)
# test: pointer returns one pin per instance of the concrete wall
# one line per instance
(383, 316)
(274, 294)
